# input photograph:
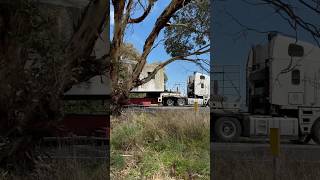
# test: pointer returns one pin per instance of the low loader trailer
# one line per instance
(198, 90)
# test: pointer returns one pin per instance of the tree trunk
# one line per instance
(35, 71)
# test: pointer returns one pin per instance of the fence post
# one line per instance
(196, 107)
(275, 150)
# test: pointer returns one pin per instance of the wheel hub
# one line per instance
(228, 129)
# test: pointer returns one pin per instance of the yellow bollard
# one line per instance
(196, 106)
(275, 150)
(275, 141)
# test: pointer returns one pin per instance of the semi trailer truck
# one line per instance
(282, 91)
(198, 90)
(155, 93)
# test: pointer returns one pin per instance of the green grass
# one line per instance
(165, 145)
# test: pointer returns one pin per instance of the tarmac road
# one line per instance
(164, 108)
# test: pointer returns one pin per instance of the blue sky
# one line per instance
(230, 47)
(136, 34)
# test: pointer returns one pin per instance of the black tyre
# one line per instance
(181, 102)
(170, 102)
(227, 129)
(302, 140)
(315, 132)
(307, 139)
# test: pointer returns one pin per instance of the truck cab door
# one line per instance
(296, 87)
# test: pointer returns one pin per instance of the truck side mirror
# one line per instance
(295, 50)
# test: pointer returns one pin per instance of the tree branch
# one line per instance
(144, 15)
(200, 51)
(90, 68)
(287, 9)
(177, 25)
(309, 6)
(83, 40)
(117, 40)
(161, 22)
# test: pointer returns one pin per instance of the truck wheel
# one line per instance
(302, 140)
(227, 129)
(169, 102)
(181, 102)
(315, 132)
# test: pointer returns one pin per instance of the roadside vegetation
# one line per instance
(161, 145)
(63, 170)
(259, 168)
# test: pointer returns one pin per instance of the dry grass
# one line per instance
(63, 170)
(262, 169)
(168, 146)
(163, 145)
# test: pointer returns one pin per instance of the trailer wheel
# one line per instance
(181, 102)
(170, 102)
(227, 129)
(315, 132)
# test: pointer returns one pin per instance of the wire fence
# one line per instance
(90, 148)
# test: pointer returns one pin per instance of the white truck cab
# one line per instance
(198, 90)
(283, 78)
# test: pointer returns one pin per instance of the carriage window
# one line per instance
(202, 77)
(202, 85)
(295, 77)
(295, 50)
